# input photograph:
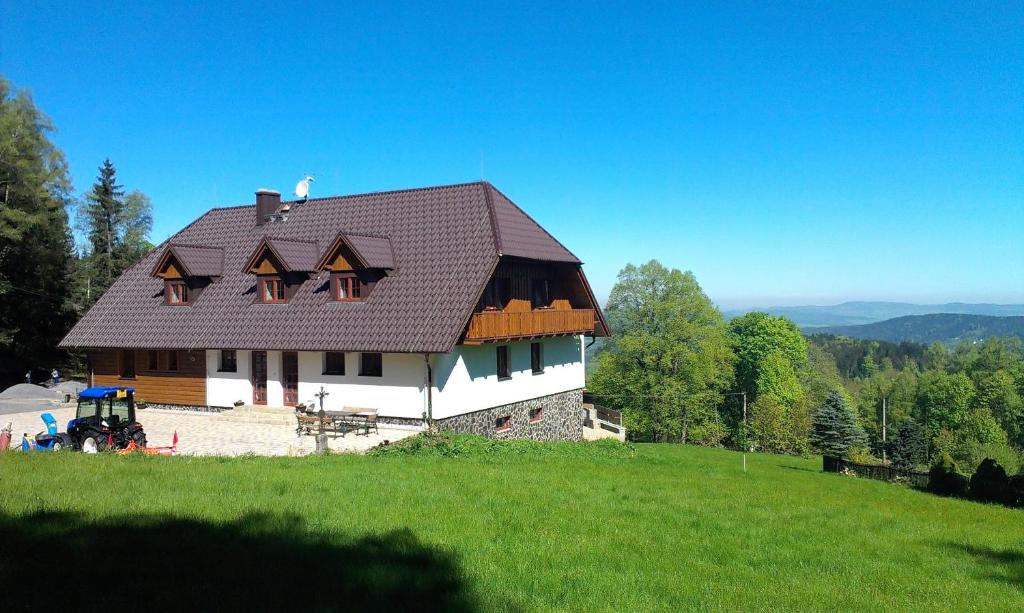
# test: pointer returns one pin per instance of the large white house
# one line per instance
(447, 304)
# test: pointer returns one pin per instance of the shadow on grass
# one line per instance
(66, 561)
(1001, 565)
(817, 471)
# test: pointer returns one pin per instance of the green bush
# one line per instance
(945, 480)
(448, 444)
(989, 483)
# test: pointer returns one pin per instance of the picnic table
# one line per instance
(339, 422)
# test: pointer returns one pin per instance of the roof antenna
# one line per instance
(302, 187)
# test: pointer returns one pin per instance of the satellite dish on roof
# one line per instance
(302, 187)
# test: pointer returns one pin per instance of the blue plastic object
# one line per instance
(104, 392)
(51, 423)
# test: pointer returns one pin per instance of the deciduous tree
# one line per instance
(668, 361)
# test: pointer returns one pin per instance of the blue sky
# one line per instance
(786, 154)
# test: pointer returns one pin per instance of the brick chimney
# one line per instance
(267, 203)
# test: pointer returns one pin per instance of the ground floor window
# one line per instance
(537, 358)
(172, 360)
(535, 414)
(228, 361)
(334, 363)
(153, 360)
(127, 364)
(370, 365)
(502, 366)
(503, 423)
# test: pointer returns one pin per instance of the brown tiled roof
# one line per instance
(372, 251)
(444, 245)
(197, 260)
(295, 255)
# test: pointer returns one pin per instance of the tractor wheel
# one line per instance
(94, 442)
(139, 438)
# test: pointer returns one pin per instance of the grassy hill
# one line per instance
(942, 327)
(606, 528)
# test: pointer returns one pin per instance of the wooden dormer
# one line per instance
(356, 263)
(281, 266)
(186, 271)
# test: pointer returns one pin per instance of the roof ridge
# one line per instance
(489, 203)
(358, 195)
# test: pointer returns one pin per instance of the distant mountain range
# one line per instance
(943, 327)
(858, 313)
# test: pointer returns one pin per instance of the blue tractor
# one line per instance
(105, 419)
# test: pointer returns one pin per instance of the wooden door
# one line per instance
(259, 377)
(290, 377)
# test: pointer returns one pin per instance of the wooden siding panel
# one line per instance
(186, 386)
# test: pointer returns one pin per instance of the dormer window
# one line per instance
(347, 287)
(281, 266)
(272, 290)
(176, 292)
(186, 270)
(356, 263)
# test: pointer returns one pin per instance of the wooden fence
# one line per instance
(872, 471)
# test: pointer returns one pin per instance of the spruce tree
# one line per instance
(908, 450)
(834, 429)
(117, 226)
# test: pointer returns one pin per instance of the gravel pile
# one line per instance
(29, 391)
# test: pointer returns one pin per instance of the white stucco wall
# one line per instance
(224, 388)
(398, 393)
(466, 379)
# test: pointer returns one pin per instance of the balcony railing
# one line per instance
(499, 325)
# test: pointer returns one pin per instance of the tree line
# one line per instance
(48, 280)
(680, 372)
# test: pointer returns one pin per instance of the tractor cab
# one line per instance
(105, 418)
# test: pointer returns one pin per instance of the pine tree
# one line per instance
(36, 258)
(908, 449)
(834, 430)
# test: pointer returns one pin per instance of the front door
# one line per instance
(259, 377)
(290, 377)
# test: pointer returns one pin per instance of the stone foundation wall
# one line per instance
(560, 419)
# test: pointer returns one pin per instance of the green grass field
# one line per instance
(662, 528)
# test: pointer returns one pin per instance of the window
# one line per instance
(537, 358)
(272, 290)
(348, 288)
(334, 363)
(535, 414)
(539, 297)
(172, 360)
(370, 365)
(176, 292)
(228, 361)
(503, 423)
(127, 364)
(503, 370)
(153, 360)
(496, 294)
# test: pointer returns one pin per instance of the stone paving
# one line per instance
(206, 434)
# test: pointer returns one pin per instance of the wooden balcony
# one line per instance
(492, 326)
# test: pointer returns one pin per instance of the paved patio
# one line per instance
(210, 434)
